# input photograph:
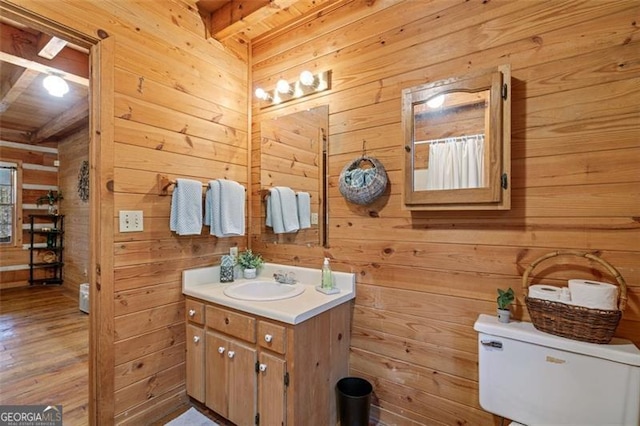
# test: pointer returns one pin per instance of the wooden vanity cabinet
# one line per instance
(262, 371)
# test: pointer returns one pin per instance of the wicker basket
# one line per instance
(364, 194)
(575, 322)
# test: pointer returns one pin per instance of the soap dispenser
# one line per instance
(326, 280)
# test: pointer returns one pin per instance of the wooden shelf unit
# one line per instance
(54, 240)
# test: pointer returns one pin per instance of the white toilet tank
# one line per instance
(537, 378)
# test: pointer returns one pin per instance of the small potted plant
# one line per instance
(505, 298)
(50, 198)
(250, 263)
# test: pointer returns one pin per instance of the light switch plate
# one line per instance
(131, 221)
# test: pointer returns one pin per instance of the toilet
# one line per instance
(536, 378)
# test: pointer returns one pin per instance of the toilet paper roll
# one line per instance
(546, 292)
(594, 294)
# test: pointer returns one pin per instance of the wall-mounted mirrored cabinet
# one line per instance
(458, 143)
(293, 152)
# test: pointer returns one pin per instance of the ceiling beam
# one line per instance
(234, 11)
(222, 32)
(49, 46)
(12, 87)
(21, 48)
(68, 120)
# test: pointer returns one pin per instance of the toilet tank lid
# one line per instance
(618, 350)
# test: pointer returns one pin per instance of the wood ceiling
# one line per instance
(28, 114)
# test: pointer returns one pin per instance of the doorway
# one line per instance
(100, 166)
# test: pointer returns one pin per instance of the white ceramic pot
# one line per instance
(504, 315)
(250, 273)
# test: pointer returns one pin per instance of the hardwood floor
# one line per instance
(44, 348)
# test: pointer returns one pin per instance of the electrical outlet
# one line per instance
(314, 218)
(233, 251)
(131, 221)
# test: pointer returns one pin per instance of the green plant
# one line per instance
(50, 198)
(505, 298)
(249, 260)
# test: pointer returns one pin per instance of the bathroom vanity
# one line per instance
(267, 361)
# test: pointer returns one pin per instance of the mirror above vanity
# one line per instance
(457, 143)
(293, 155)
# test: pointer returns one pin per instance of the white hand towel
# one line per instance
(304, 210)
(282, 210)
(289, 206)
(186, 207)
(208, 204)
(224, 208)
(232, 196)
(269, 219)
(274, 212)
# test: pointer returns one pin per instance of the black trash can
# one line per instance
(354, 401)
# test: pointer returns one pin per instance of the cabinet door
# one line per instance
(242, 384)
(271, 390)
(195, 362)
(458, 149)
(217, 373)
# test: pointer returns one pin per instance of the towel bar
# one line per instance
(264, 193)
(164, 183)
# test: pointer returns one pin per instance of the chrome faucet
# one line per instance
(285, 277)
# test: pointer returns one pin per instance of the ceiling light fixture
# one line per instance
(55, 85)
(307, 84)
(436, 102)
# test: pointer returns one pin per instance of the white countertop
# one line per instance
(204, 283)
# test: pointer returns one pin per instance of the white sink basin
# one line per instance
(263, 290)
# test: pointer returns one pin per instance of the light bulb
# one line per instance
(282, 86)
(307, 78)
(436, 102)
(261, 94)
(55, 85)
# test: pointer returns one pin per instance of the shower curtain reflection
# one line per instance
(453, 163)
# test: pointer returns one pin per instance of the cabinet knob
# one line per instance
(221, 350)
(192, 313)
(231, 354)
(263, 367)
(268, 338)
(196, 339)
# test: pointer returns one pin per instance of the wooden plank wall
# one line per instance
(73, 150)
(423, 278)
(39, 175)
(180, 108)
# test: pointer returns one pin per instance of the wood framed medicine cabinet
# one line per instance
(457, 135)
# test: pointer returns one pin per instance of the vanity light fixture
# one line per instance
(55, 85)
(307, 84)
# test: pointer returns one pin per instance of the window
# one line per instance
(9, 214)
